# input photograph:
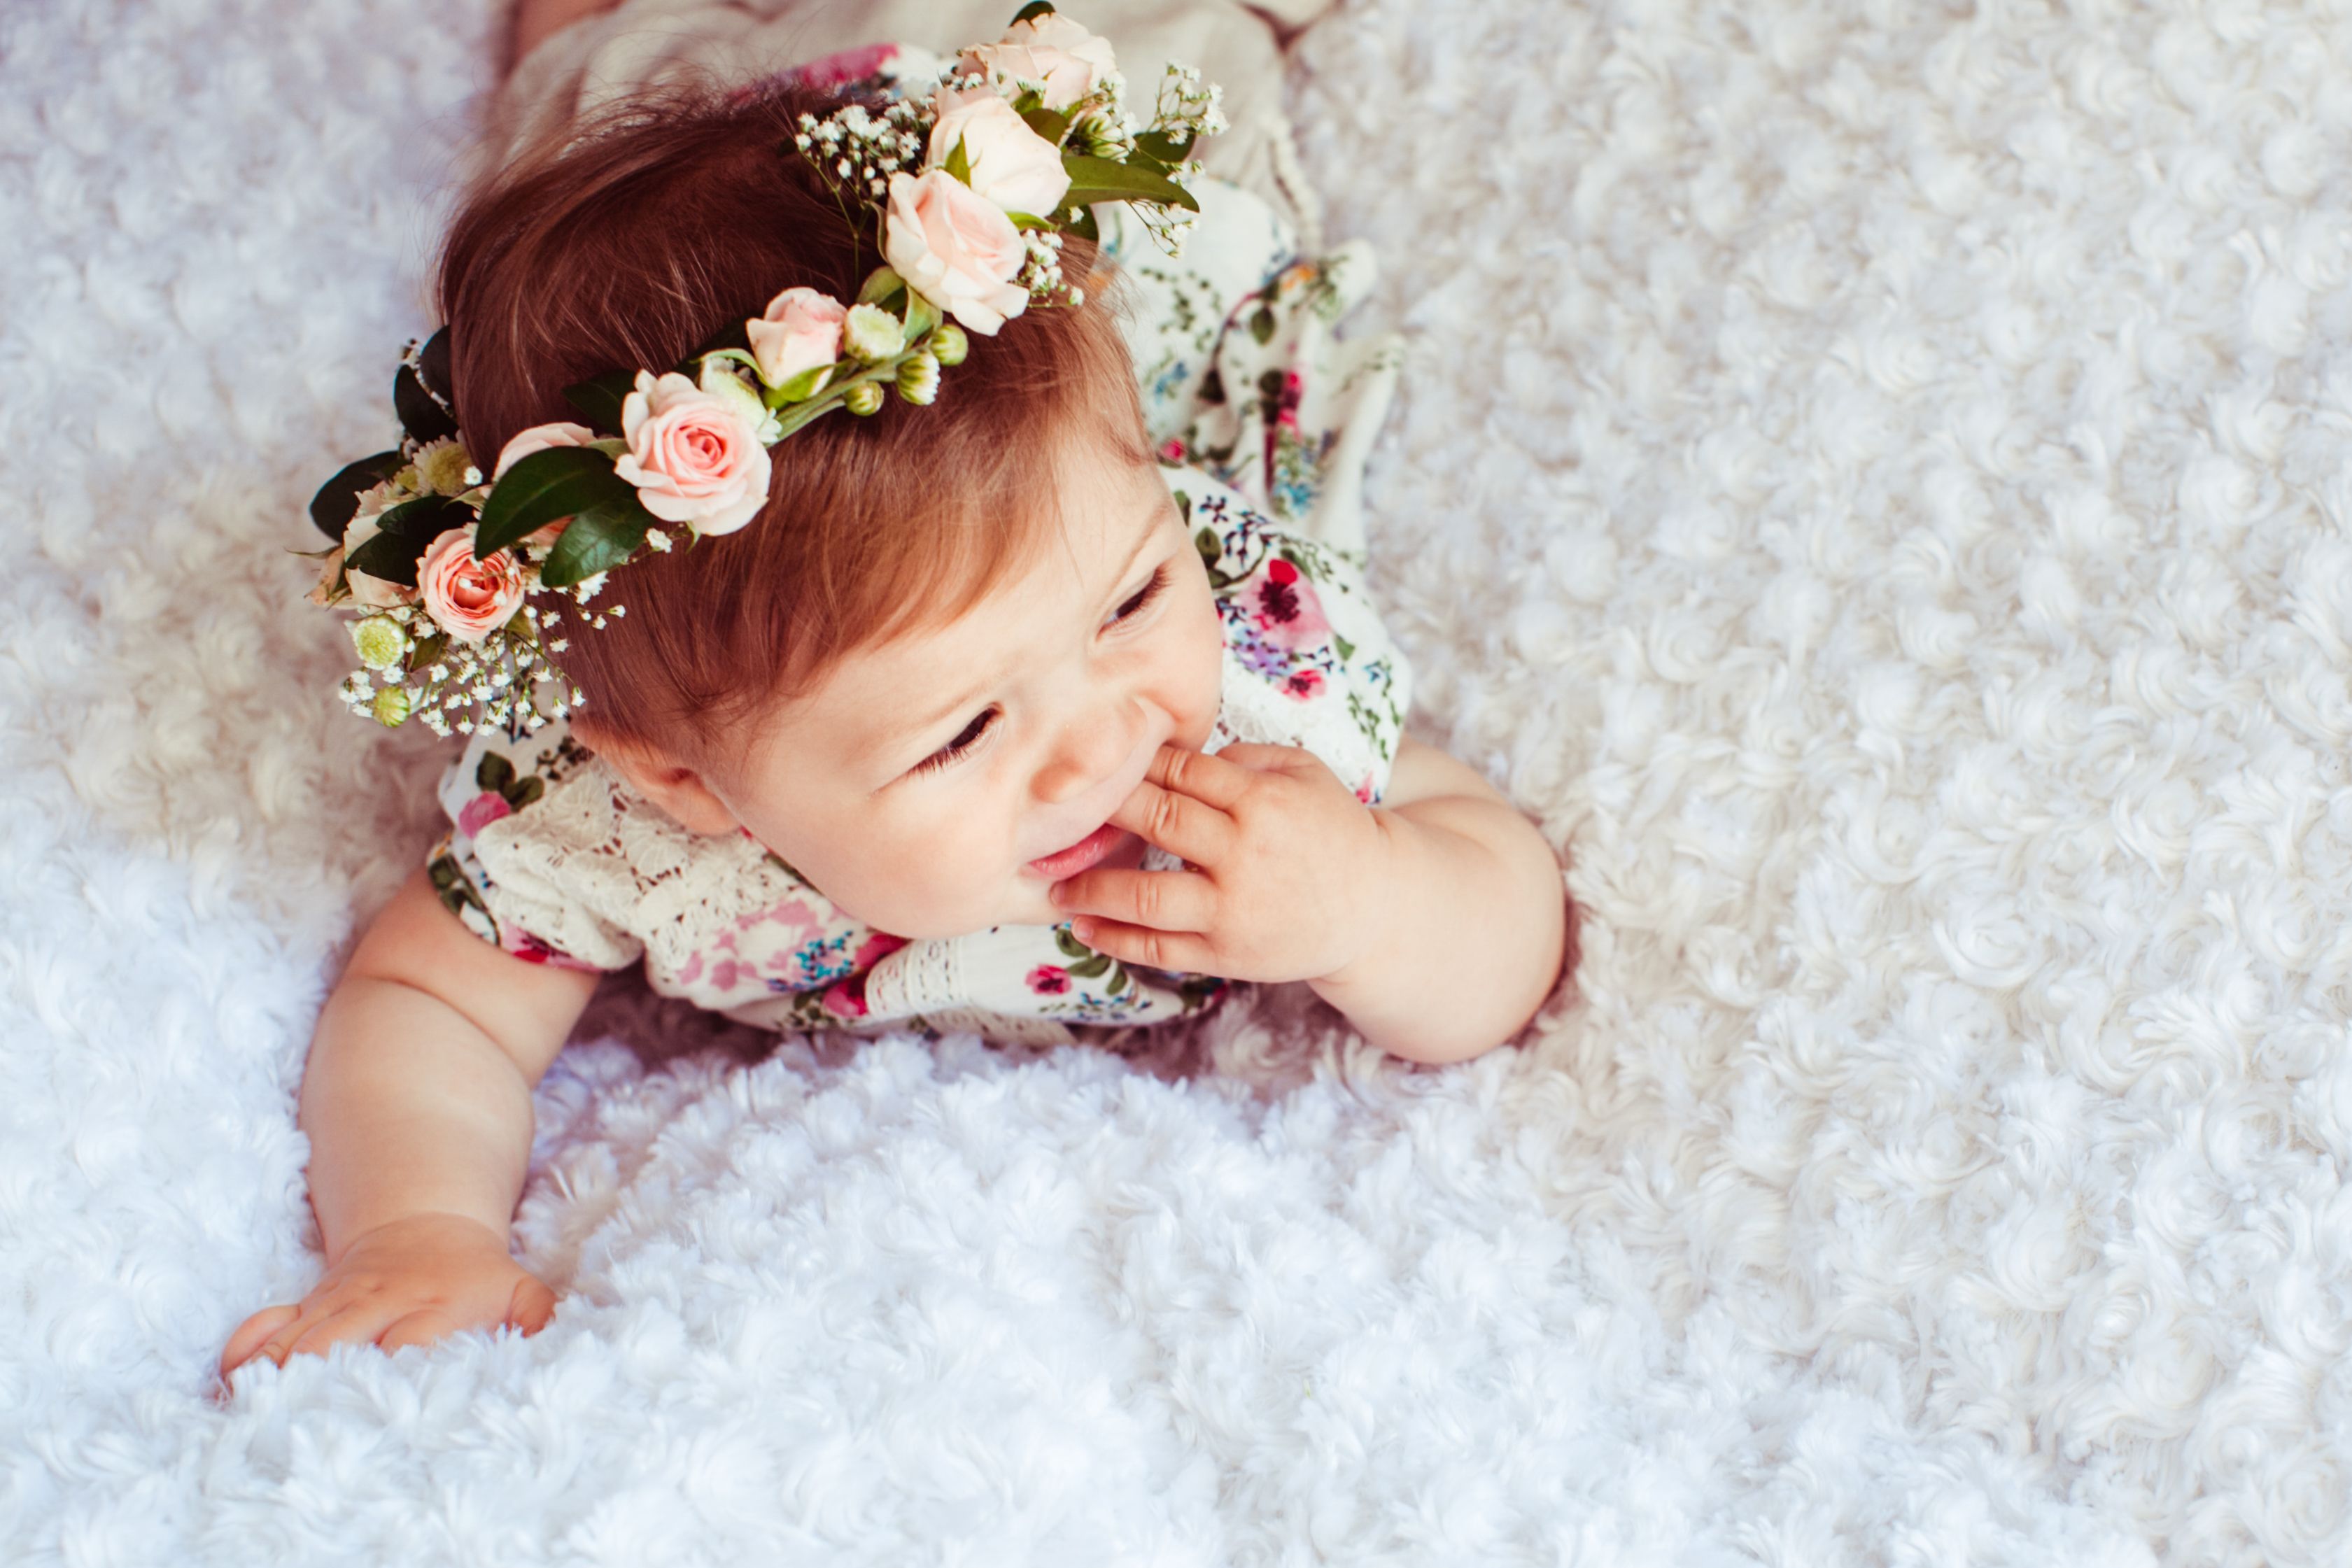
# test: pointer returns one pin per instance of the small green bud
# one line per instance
(380, 641)
(919, 378)
(873, 334)
(392, 706)
(948, 345)
(863, 398)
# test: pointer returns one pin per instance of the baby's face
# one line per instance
(940, 783)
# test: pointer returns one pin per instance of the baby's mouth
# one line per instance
(1087, 852)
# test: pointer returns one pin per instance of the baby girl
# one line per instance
(904, 596)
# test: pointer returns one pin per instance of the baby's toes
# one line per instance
(422, 1326)
(324, 1331)
(254, 1333)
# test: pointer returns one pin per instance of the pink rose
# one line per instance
(956, 250)
(691, 455)
(1011, 165)
(1049, 980)
(1065, 58)
(800, 330)
(467, 599)
(538, 438)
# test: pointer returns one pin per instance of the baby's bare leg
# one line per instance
(535, 19)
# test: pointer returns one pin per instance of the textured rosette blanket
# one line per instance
(1874, 480)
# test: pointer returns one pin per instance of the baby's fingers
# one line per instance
(254, 1332)
(1163, 899)
(1180, 950)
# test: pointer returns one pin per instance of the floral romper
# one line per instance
(1261, 417)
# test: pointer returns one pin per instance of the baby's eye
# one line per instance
(1141, 597)
(966, 739)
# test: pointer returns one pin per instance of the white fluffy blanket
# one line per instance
(1873, 481)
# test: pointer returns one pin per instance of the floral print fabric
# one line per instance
(550, 857)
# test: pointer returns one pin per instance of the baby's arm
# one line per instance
(1436, 922)
(417, 1102)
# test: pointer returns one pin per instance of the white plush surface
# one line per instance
(1873, 482)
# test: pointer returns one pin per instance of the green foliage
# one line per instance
(403, 534)
(338, 499)
(422, 414)
(1096, 179)
(560, 482)
(597, 540)
(599, 400)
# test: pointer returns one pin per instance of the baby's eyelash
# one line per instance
(1142, 596)
(966, 739)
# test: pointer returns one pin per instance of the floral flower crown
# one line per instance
(972, 193)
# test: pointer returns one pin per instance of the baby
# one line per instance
(1027, 683)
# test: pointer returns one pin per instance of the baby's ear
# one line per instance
(677, 789)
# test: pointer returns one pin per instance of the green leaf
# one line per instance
(1050, 123)
(802, 387)
(557, 483)
(1029, 221)
(1346, 649)
(1205, 541)
(1164, 149)
(959, 163)
(1070, 946)
(597, 540)
(524, 793)
(403, 534)
(1119, 979)
(599, 401)
(1035, 8)
(880, 284)
(339, 497)
(1088, 968)
(921, 316)
(493, 774)
(1262, 324)
(734, 335)
(421, 413)
(1096, 179)
(433, 365)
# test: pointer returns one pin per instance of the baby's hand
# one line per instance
(410, 1281)
(1286, 872)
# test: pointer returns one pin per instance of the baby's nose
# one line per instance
(1090, 750)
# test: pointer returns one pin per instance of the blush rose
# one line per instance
(693, 457)
(955, 249)
(1011, 165)
(468, 599)
(1064, 59)
(800, 330)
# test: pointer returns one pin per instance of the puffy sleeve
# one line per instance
(1308, 661)
(1243, 372)
(496, 796)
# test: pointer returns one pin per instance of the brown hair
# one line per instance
(630, 239)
